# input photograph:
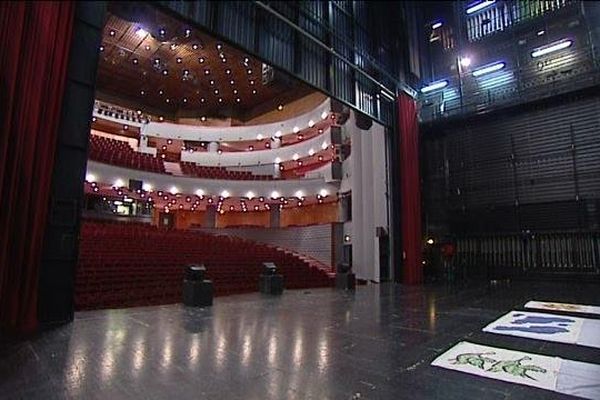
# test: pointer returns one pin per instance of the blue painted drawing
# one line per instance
(533, 329)
(537, 324)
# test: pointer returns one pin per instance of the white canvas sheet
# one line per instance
(554, 328)
(566, 307)
(551, 373)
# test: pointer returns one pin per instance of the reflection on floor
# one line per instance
(376, 343)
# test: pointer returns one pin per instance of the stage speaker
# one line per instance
(135, 185)
(337, 106)
(336, 135)
(362, 121)
(336, 171)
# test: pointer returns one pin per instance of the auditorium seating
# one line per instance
(209, 172)
(117, 152)
(133, 264)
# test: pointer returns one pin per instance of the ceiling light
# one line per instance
(178, 60)
(278, 134)
(489, 69)
(479, 6)
(119, 183)
(216, 91)
(249, 71)
(219, 46)
(224, 59)
(311, 123)
(296, 129)
(436, 25)
(434, 86)
(188, 32)
(235, 91)
(552, 47)
(212, 82)
(253, 91)
(165, 72)
(206, 72)
(125, 127)
(324, 115)
(225, 194)
(186, 72)
(142, 92)
(141, 32)
(232, 82)
(184, 100)
(252, 82)
(250, 195)
(167, 100)
(246, 60)
(139, 112)
(201, 60)
(135, 61)
(220, 100)
(295, 156)
(203, 118)
(465, 61)
(311, 152)
(160, 92)
(90, 177)
(195, 46)
(147, 47)
(202, 99)
(161, 118)
(323, 192)
(324, 145)
(162, 32)
(275, 194)
(251, 148)
(94, 119)
(112, 32)
(280, 107)
(228, 71)
(237, 100)
(101, 48)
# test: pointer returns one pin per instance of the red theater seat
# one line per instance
(117, 152)
(209, 172)
(132, 264)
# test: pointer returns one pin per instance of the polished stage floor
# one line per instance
(376, 343)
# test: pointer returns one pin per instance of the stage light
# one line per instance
(479, 6)
(299, 194)
(173, 190)
(489, 69)
(90, 177)
(250, 195)
(561, 44)
(119, 183)
(275, 194)
(324, 145)
(295, 156)
(296, 129)
(225, 194)
(147, 187)
(324, 115)
(259, 137)
(434, 86)
(311, 123)
(323, 192)
(465, 61)
(278, 134)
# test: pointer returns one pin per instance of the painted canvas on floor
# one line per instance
(545, 372)
(565, 307)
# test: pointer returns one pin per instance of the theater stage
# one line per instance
(377, 343)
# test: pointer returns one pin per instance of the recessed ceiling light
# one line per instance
(280, 107)
(206, 72)
(228, 71)
(252, 82)
(93, 119)
(142, 92)
(161, 92)
(167, 100)
(112, 32)
(212, 82)
(139, 112)
(249, 71)
(220, 100)
(254, 91)
(216, 91)
(202, 99)
(235, 91)
(161, 118)
(219, 46)
(238, 99)
(184, 100)
(162, 32)
(224, 59)
(246, 60)
(135, 61)
(125, 127)
(179, 60)
(101, 48)
(186, 72)
(232, 82)
(147, 47)
(201, 60)
(203, 118)
(188, 32)
(165, 72)
(173, 46)
(141, 32)
(195, 46)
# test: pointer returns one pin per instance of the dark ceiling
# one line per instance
(153, 60)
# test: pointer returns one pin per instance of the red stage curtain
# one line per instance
(410, 190)
(35, 38)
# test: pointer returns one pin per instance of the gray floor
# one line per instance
(376, 343)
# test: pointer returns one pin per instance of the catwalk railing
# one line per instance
(545, 253)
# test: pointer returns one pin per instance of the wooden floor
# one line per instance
(376, 343)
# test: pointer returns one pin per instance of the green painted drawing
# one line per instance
(512, 367)
(515, 368)
(475, 359)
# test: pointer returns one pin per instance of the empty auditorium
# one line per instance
(323, 199)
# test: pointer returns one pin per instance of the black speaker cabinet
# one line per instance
(135, 185)
(363, 122)
(270, 284)
(197, 293)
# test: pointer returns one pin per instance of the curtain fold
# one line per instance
(410, 190)
(35, 38)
